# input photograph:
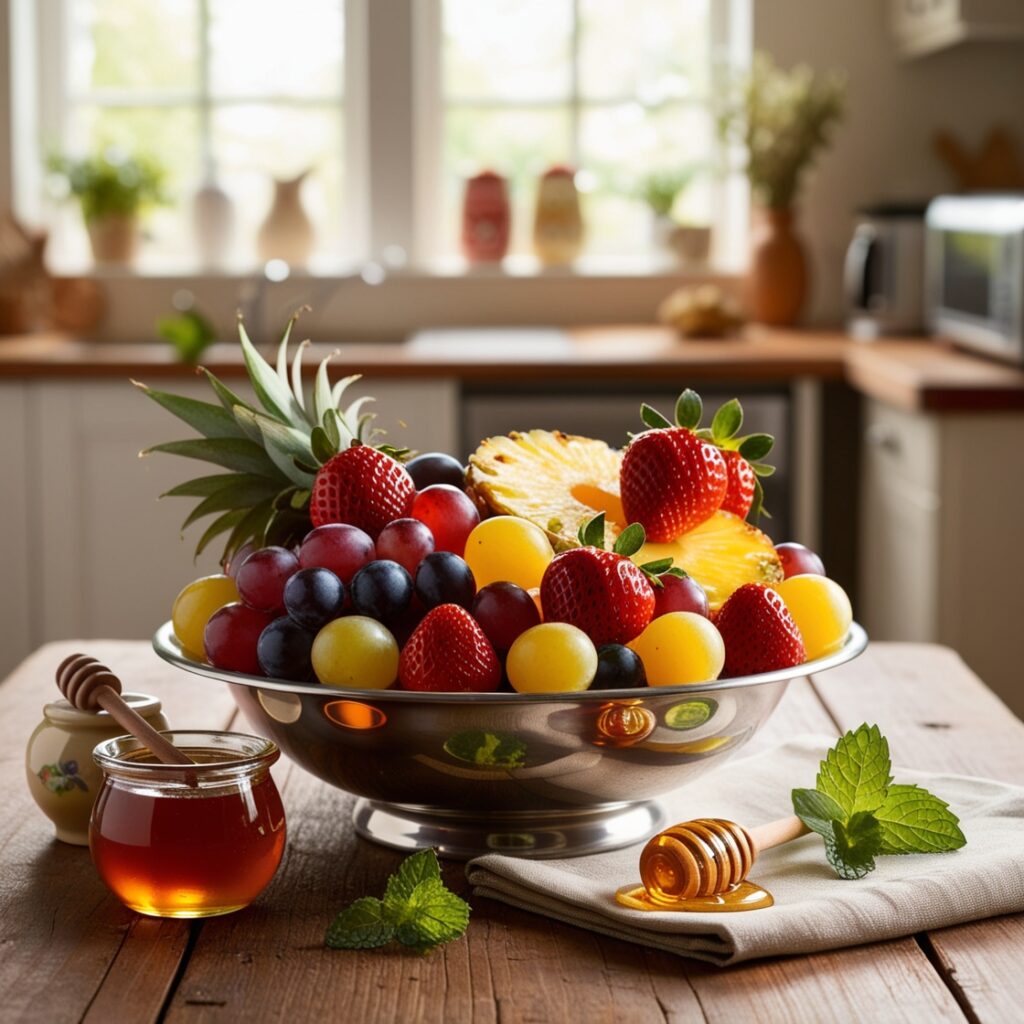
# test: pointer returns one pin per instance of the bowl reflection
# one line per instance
(534, 775)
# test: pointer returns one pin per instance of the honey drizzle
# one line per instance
(743, 896)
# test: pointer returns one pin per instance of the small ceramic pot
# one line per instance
(557, 222)
(114, 239)
(62, 776)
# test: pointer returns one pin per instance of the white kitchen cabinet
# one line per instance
(941, 557)
(925, 26)
(88, 549)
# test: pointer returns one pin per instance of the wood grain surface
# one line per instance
(71, 953)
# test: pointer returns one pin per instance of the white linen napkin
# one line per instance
(814, 910)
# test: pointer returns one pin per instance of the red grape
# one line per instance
(679, 594)
(450, 515)
(232, 566)
(504, 610)
(407, 542)
(798, 560)
(339, 547)
(231, 637)
(261, 578)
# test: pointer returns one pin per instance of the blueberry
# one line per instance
(445, 578)
(618, 668)
(313, 597)
(382, 589)
(283, 650)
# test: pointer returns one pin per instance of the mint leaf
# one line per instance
(853, 848)
(412, 872)
(431, 915)
(855, 772)
(817, 811)
(364, 924)
(912, 820)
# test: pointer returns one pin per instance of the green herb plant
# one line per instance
(417, 911)
(861, 814)
(659, 191)
(111, 183)
(189, 332)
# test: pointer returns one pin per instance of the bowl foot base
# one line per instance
(536, 835)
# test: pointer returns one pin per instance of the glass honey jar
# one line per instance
(173, 841)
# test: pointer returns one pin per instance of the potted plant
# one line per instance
(112, 189)
(782, 119)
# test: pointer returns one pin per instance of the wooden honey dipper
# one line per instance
(87, 685)
(707, 857)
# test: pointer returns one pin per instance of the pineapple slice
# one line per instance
(558, 481)
(721, 554)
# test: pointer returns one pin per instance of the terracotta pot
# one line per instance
(114, 238)
(777, 278)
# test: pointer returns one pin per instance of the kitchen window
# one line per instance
(390, 105)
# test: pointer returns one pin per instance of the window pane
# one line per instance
(508, 49)
(620, 145)
(250, 151)
(653, 51)
(519, 144)
(147, 45)
(282, 49)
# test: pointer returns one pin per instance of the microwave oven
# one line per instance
(974, 272)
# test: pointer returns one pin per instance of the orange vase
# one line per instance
(777, 278)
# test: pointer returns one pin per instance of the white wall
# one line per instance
(884, 148)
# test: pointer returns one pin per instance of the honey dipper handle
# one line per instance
(775, 833)
(162, 748)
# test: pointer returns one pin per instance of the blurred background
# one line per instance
(519, 214)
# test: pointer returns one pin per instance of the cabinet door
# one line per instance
(899, 524)
(17, 527)
(110, 554)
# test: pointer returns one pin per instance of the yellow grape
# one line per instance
(508, 549)
(194, 607)
(821, 611)
(553, 657)
(678, 648)
(355, 651)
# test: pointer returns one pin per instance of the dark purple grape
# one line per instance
(312, 597)
(618, 668)
(504, 610)
(445, 578)
(283, 650)
(382, 590)
(436, 468)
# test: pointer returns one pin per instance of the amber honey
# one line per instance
(196, 842)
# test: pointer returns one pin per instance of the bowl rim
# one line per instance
(167, 646)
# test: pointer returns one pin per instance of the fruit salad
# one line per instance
(550, 564)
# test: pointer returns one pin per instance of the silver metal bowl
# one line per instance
(535, 775)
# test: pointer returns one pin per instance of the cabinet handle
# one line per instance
(884, 438)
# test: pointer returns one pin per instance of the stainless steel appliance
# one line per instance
(974, 272)
(884, 271)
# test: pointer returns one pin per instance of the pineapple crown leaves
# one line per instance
(627, 544)
(724, 433)
(271, 449)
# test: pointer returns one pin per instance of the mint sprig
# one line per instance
(417, 910)
(860, 814)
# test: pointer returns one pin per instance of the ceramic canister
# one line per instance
(62, 776)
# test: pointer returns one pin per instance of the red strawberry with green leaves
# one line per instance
(449, 651)
(759, 633)
(671, 480)
(743, 494)
(362, 486)
(602, 592)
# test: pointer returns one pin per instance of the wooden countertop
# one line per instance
(73, 953)
(913, 374)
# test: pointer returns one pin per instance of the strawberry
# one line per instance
(601, 592)
(739, 494)
(449, 651)
(759, 633)
(671, 481)
(363, 487)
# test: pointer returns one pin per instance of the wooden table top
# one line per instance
(71, 952)
(915, 374)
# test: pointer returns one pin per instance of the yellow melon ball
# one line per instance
(194, 607)
(553, 657)
(680, 647)
(508, 549)
(821, 611)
